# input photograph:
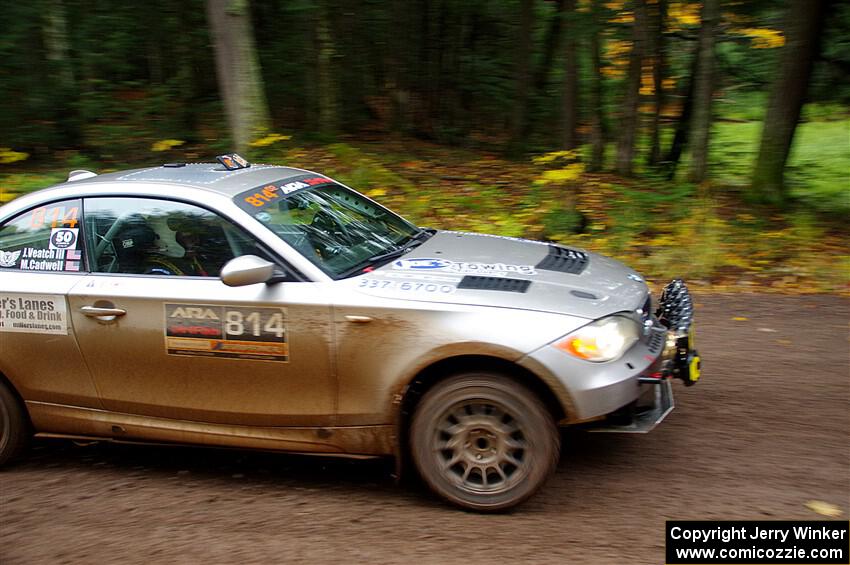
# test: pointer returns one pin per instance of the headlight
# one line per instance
(602, 340)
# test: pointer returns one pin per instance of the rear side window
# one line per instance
(47, 238)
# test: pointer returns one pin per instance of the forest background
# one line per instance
(709, 139)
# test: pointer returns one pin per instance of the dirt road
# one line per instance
(764, 432)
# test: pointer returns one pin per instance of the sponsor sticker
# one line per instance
(33, 313)
(422, 287)
(233, 332)
(256, 198)
(463, 267)
(9, 258)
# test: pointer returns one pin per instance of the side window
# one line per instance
(161, 237)
(46, 238)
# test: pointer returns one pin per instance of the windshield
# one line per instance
(336, 228)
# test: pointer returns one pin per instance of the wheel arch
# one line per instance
(434, 373)
(4, 380)
(15, 437)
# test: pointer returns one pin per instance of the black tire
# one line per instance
(483, 441)
(14, 426)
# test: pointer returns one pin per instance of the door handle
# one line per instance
(105, 314)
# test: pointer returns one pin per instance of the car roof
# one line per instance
(208, 176)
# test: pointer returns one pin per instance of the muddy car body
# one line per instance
(272, 308)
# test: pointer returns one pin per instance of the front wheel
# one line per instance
(14, 427)
(483, 441)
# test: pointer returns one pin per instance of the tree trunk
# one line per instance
(597, 116)
(55, 37)
(238, 68)
(659, 17)
(523, 75)
(631, 99)
(186, 50)
(326, 81)
(570, 100)
(402, 43)
(683, 124)
(703, 91)
(802, 43)
(550, 47)
(55, 32)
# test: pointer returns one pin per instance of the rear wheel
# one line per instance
(483, 441)
(14, 428)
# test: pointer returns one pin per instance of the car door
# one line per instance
(40, 261)
(164, 337)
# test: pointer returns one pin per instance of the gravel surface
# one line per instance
(764, 432)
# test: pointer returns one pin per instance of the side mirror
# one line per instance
(245, 270)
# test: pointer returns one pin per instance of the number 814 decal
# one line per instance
(234, 332)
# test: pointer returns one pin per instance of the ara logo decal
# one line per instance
(194, 312)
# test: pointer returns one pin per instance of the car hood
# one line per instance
(486, 270)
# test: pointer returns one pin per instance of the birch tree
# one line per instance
(239, 78)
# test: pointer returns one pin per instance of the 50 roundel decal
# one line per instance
(63, 238)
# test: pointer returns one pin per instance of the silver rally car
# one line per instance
(273, 308)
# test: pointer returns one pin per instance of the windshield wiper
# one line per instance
(415, 240)
(423, 234)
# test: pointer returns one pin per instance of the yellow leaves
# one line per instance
(684, 14)
(552, 156)
(567, 174)
(741, 319)
(617, 48)
(662, 240)
(166, 144)
(824, 508)
(269, 140)
(623, 18)
(7, 156)
(647, 82)
(613, 72)
(617, 57)
(762, 37)
(376, 192)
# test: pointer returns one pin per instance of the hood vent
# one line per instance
(494, 283)
(564, 260)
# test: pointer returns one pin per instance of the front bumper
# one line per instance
(679, 360)
(633, 393)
